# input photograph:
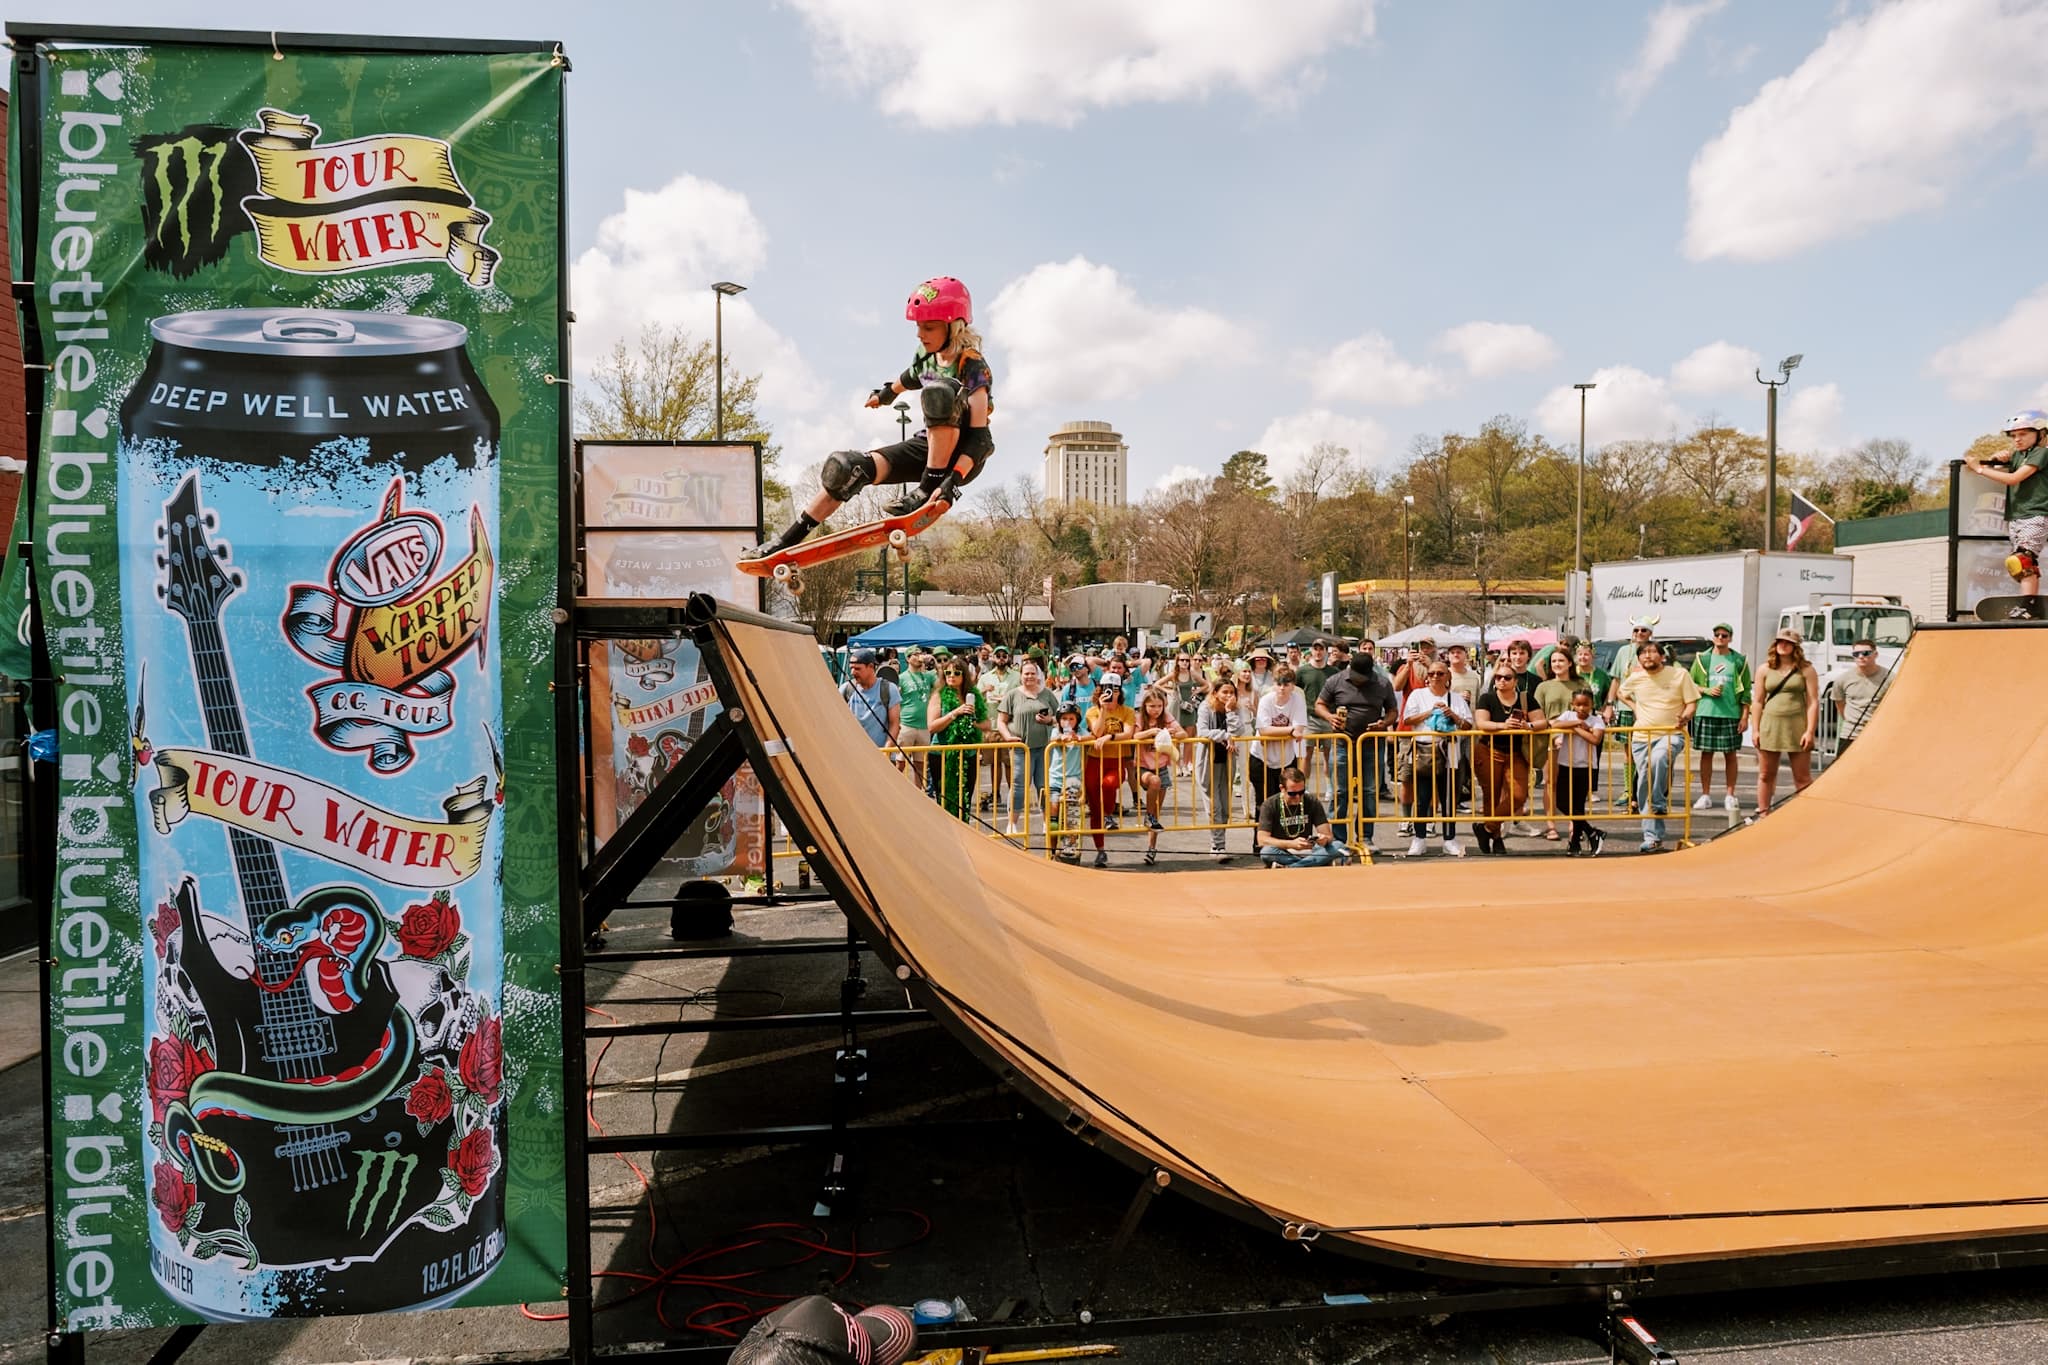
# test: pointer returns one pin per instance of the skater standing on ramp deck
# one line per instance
(2026, 497)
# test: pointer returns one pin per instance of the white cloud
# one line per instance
(2004, 358)
(1074, 332)
(1626, 405)
(1054, 61)
(1180, 473)
(1891, 110)
(1495, 348)
(1367, 369)
(1671, 26)
(654, 261)
(1811, 421)
(1717, 367)
(1287, 439)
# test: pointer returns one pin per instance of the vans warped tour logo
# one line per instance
(391, 620)
(315, 209)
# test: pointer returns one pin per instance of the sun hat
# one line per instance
(816, 1331)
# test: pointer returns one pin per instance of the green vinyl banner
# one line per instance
(296, 535)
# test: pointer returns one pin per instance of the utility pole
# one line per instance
(1785, 368)
(1407, 562)
(723, 289)
(1579, 521)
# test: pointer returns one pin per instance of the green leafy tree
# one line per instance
(1246, 471)
(665, 388)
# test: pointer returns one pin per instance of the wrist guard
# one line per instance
(883, 396)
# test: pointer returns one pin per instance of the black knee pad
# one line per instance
(942, 403)
(846, 472)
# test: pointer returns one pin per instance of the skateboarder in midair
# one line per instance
(2026, 497)
(956, 392)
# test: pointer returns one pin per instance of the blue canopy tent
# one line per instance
(912, 630)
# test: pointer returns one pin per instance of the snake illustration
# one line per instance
(336, 933)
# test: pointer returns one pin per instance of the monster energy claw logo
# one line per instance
(384, 1163)
(193, 183)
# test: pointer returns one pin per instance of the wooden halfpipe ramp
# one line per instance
(1826, 1032)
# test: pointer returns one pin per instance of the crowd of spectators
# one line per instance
(1513, 747)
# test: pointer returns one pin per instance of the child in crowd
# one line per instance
(1063, 779)
(1577, 747)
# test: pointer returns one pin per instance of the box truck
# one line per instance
(1691, 594)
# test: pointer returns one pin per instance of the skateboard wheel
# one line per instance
(902, 553)
(783, 573)
(795, 584)
(897, 539)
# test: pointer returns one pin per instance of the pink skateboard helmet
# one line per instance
(939, 299)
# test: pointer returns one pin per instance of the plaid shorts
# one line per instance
(1716, 734)
(2029, 534)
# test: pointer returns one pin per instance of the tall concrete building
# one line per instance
(1086, 462)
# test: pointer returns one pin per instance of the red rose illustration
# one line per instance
(482, 1061)
(473, 1159)
(173, 1065)
(164, 925)
(173, 1195)
(637, 746)
(428, 927)
(430, 1100)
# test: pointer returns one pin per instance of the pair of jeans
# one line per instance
(1034, 772)
(1320, 856)
(1654, 756)
(1368, 788)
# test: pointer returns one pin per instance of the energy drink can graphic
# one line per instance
(309, 505)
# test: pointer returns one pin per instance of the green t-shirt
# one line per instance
(1310, 680)
(917, 694)
(1554, 695)
(1021, 712)
(2029, 499)
(1731, 671)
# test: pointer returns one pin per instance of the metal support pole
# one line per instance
(1148, 1190)
(718, 357)
(1771, 469)
(1579, 520)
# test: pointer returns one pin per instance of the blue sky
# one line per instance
(1226, 224)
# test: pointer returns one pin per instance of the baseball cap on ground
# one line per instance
(816, 1331)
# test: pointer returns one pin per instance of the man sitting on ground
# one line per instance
(1294, 829)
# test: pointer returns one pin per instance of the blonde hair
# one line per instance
(961, 337)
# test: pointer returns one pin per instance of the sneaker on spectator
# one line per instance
(1454, 848)
(1152, 822)
(1101, 857)
(1599, 843)
(1406, 829)
(1706, 801)
(1651, 846)
(1416, 848)
(1730, 804)
(1110, 821)
(1010, 829)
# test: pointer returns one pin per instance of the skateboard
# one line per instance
(2013, 609)
(787, 566)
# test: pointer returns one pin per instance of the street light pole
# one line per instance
(1785, 368)
(903, 420)
(720, 291)
(1407, 562)
(1579, 521)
